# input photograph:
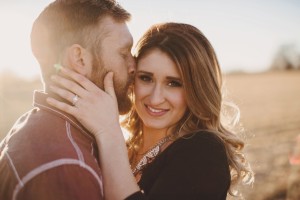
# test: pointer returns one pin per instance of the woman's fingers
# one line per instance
(69, 96)
(70, 85)
(96, 109)
(80, 79)
(72, 110)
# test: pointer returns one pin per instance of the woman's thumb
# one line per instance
(109, 84)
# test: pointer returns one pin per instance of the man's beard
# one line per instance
(124, 101)
(123, 95)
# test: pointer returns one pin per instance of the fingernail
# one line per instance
(64, 70)
(57, 67)
(53, 77)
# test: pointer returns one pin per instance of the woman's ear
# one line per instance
(79, 59)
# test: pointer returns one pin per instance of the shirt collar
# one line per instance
(39, 100)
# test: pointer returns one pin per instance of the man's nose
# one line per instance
(132, 66)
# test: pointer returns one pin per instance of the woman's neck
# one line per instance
(152, 137)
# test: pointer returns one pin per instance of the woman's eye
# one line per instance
(145, 78)
(175, 84)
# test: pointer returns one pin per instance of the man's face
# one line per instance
(115, 55)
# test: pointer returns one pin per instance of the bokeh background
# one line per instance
(258, 46)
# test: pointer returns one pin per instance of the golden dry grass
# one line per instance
(15, 99)
(270, 113)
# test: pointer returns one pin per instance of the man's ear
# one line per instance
(79, 59)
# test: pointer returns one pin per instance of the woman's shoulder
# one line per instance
(200, 145)
(196, 163)
(200, 139)
(203, 149)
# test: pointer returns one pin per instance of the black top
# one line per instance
(194, 167)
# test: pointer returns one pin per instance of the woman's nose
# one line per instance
(156, 96)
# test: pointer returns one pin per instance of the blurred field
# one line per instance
(270, 113)
(15, 99)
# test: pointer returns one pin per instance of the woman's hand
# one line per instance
(94, 108)
(97, 110)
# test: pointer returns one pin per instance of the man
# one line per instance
(48, 154)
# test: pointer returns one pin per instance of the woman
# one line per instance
(178, 148)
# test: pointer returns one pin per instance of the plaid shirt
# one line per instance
(48, 155)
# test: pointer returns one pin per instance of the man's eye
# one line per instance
(124, 55)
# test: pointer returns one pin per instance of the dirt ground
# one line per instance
(270, 113)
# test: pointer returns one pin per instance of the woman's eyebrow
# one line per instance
(174, 78)
(144, 72)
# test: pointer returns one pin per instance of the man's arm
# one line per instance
(62, 183)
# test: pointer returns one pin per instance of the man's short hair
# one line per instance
(66, 22)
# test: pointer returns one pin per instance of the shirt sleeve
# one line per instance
(136, 196)
(64, 183)
(196, 169)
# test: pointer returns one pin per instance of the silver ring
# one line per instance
(75, 100)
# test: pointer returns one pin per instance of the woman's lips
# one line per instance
(156, 111)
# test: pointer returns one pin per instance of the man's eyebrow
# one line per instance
(126, 48)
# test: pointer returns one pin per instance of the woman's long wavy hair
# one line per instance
(202, 81)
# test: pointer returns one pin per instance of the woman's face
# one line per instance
(159, 95)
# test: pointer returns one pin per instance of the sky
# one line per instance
(245, 34)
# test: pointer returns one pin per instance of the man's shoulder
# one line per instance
(35, 129)
(48, 147)
(40, 137)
